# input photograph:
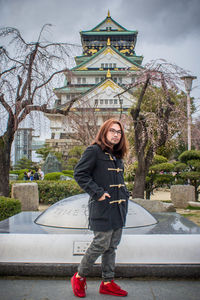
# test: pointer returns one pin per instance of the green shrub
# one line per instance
(130, 187)
(159, 159)
(69, 173)
(53, 191)
(19, 171)
(189, 155)
(53, 176)
(166, 167)
(9, 207)
(163, 179)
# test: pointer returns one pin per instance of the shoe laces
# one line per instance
(115, 285)
(82, 283)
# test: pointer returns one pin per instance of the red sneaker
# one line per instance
(112, 289)
(78, 286)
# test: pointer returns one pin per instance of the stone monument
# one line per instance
(28, 195)
(181, 195)
(51, 164)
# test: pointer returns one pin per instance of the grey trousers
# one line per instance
(104, 244)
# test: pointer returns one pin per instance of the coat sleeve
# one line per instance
(83, 173)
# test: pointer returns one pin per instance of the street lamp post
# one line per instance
(188, 86)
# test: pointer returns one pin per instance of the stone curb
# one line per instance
(122, 270)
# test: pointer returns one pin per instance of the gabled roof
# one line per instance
(103, 82)
(90, 58)
(108, 20)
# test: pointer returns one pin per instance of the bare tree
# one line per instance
(27, 71)
(84, 122)
(152, 115)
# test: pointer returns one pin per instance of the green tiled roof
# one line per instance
(114, 49)
(109, 33)
(71, 89)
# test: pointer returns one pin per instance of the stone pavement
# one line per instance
(27, 288)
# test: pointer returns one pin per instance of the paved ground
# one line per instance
(23, 288)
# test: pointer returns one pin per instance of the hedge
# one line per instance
(53, 176)
(69, 173)
(9, 207)
(52, 191)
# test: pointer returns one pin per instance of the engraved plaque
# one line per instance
(72, 212)
(79, 248)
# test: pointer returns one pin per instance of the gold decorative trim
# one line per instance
(117, 201)
(117, 170)
(110, 156)
(109, 83)
(108, 50)
(83, 69)
(117, 185)
(108, 75)
(134, 68)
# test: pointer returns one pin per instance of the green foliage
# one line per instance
(190, 175)
(44, 151)
(9, 207)
(161, 179)
(165, 167)
(76, 151)
(178, 166)
(52, 191)
(189, 155)
(74, 155)
(53, 176)
(72, 162)
(194, 164)
(21, 171)
(158, 159)
(129, 173)
(25, 163)
(129, 187)
(69, 173)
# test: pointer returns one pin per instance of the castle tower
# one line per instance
(106, 68)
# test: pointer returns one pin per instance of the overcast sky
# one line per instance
(168, 29)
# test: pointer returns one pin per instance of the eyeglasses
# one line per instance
(113, 131)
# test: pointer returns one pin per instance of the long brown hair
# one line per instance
(119, 150)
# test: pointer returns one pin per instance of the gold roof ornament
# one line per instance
(108, 41)
(108, 75)
(108, 14)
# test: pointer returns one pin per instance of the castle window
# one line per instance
(111, 101)
(83, 80)
(106, 66)
(110, 66)
(52, 135)
(79, 80)
(114, 65)
(115, 101)
(102, 65)
(106, 101)
(101, 101)
(96, 101)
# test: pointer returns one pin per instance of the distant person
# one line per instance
(100, 174)
(41, 174)
(32, 176)
(29, 174)
(26, 176)
(36, 175)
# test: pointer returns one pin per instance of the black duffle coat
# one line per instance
(98, 172)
